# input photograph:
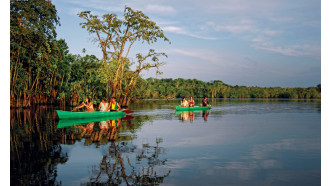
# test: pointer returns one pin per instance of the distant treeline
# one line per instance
(178, 88)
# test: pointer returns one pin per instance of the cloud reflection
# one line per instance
(262, 151)
(263, 164)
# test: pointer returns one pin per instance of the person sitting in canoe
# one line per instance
(205, 102)
(103, 107)
(191, 102)
(88, 105)
(184, 102)
(114, 106)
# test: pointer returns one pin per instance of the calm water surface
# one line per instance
(238, 142)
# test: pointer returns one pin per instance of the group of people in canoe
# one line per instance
(104, 106)
(191, 102)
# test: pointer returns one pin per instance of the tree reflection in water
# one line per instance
(117, 169)
(36, 150)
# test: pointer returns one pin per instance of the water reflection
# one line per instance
(205, 114)
(107, 130)
(190, 115)
(34, 149)
(244, 143)
(119, 166)
(123, 162)
(37, 140)
(98, 132)
(235, 106)
(185, 115)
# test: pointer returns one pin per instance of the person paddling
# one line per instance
(205, 102)
(114, 106)
(88, 105)
(103, 107)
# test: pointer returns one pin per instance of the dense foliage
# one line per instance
(34, 52)
(178, 88)
(42, 71)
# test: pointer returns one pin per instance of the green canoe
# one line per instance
(70, 122)
(178, 108)
(80, 115)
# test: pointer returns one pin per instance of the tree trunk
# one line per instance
(114, 89)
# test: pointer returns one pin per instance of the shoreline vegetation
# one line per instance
(177, 88)
(42, 71)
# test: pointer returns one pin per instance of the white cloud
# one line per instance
(266, 38)
(270, 32)
(261, 42)
(235, 26)
(182, 31)
(220, 61)
(160, 9)
(260, 39)
(99, 6)
(205, 55)
(281, 19)
(236, 7)
(295, 50)
(118, 6)
(174, 29)
(164, 23)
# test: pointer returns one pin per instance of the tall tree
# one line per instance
(116, 37)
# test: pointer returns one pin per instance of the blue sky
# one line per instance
(252, 43)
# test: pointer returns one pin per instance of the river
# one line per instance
(237, 142)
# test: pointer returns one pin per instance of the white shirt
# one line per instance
(184, 103)
(103, 107)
